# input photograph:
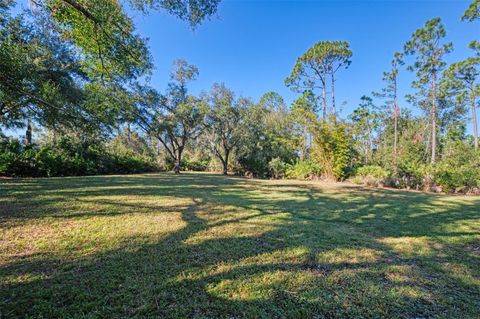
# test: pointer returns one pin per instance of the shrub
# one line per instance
(303, 169)
(372, 171)
(459, 168)
(411, 175)
(69, 157)
(371, 175)
(332, 150)
(16, 159)
(199, 165)
(277, 167)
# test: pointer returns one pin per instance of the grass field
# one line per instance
(208, 246)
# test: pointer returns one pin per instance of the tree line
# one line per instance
(79, 71)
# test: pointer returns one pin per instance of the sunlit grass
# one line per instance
(208, 246)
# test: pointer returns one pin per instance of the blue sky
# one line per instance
(251, 46)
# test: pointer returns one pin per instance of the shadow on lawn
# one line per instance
(236, 276)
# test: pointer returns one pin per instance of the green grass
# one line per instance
(208, 246)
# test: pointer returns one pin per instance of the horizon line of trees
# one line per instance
(79, 74)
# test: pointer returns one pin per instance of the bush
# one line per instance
(332, 149)
(371, 175)
(188, 164)
(16, 159)
(277, 167)
(411, 175)
(459, 169)
(69, 157)
(456, 179)
(303, 169)
(372, 171)
(199, 165)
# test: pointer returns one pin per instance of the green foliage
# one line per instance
(69, 157)
(332, 150)
(371, 175)
(40, 76)
(277, 167)
(304, 119)
(189, 163)
(473, 11)
(269, 134)
(224, 123)
(312, 69)
(175, 118)
(461, 80)
(191, 11)
(303, 169)
(372, 171)
(459, 169)
(198, 165)
(104, 34)
(463, 178)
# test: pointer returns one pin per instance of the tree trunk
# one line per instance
(366, 153)
(176, 167)
(395, 140)
(225, 168)
(370, 140)
(224, 160)
(397, 114)
(434, 116)
(334, 112)
(324, 99)
(28, 133)
(54, 135)
(474, 115)
(178, 163)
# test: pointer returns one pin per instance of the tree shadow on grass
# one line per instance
(253, 249)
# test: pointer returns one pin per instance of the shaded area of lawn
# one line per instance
(208, 246)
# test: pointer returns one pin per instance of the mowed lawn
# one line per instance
(208, 246)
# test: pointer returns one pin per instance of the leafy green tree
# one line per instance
(463, 78)
(103, 33)
(312, 69)
(310, 72)
(428, 47)
(106, 36)
(278, 121)
(41, 79)
(175, 118)
(224, 122)
(268, 135)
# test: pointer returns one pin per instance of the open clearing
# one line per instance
(208, 246)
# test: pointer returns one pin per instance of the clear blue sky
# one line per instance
(252, 45)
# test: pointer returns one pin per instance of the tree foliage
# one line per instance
(176, 117)
(225, 123)
(473, 11)
(312, 69)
